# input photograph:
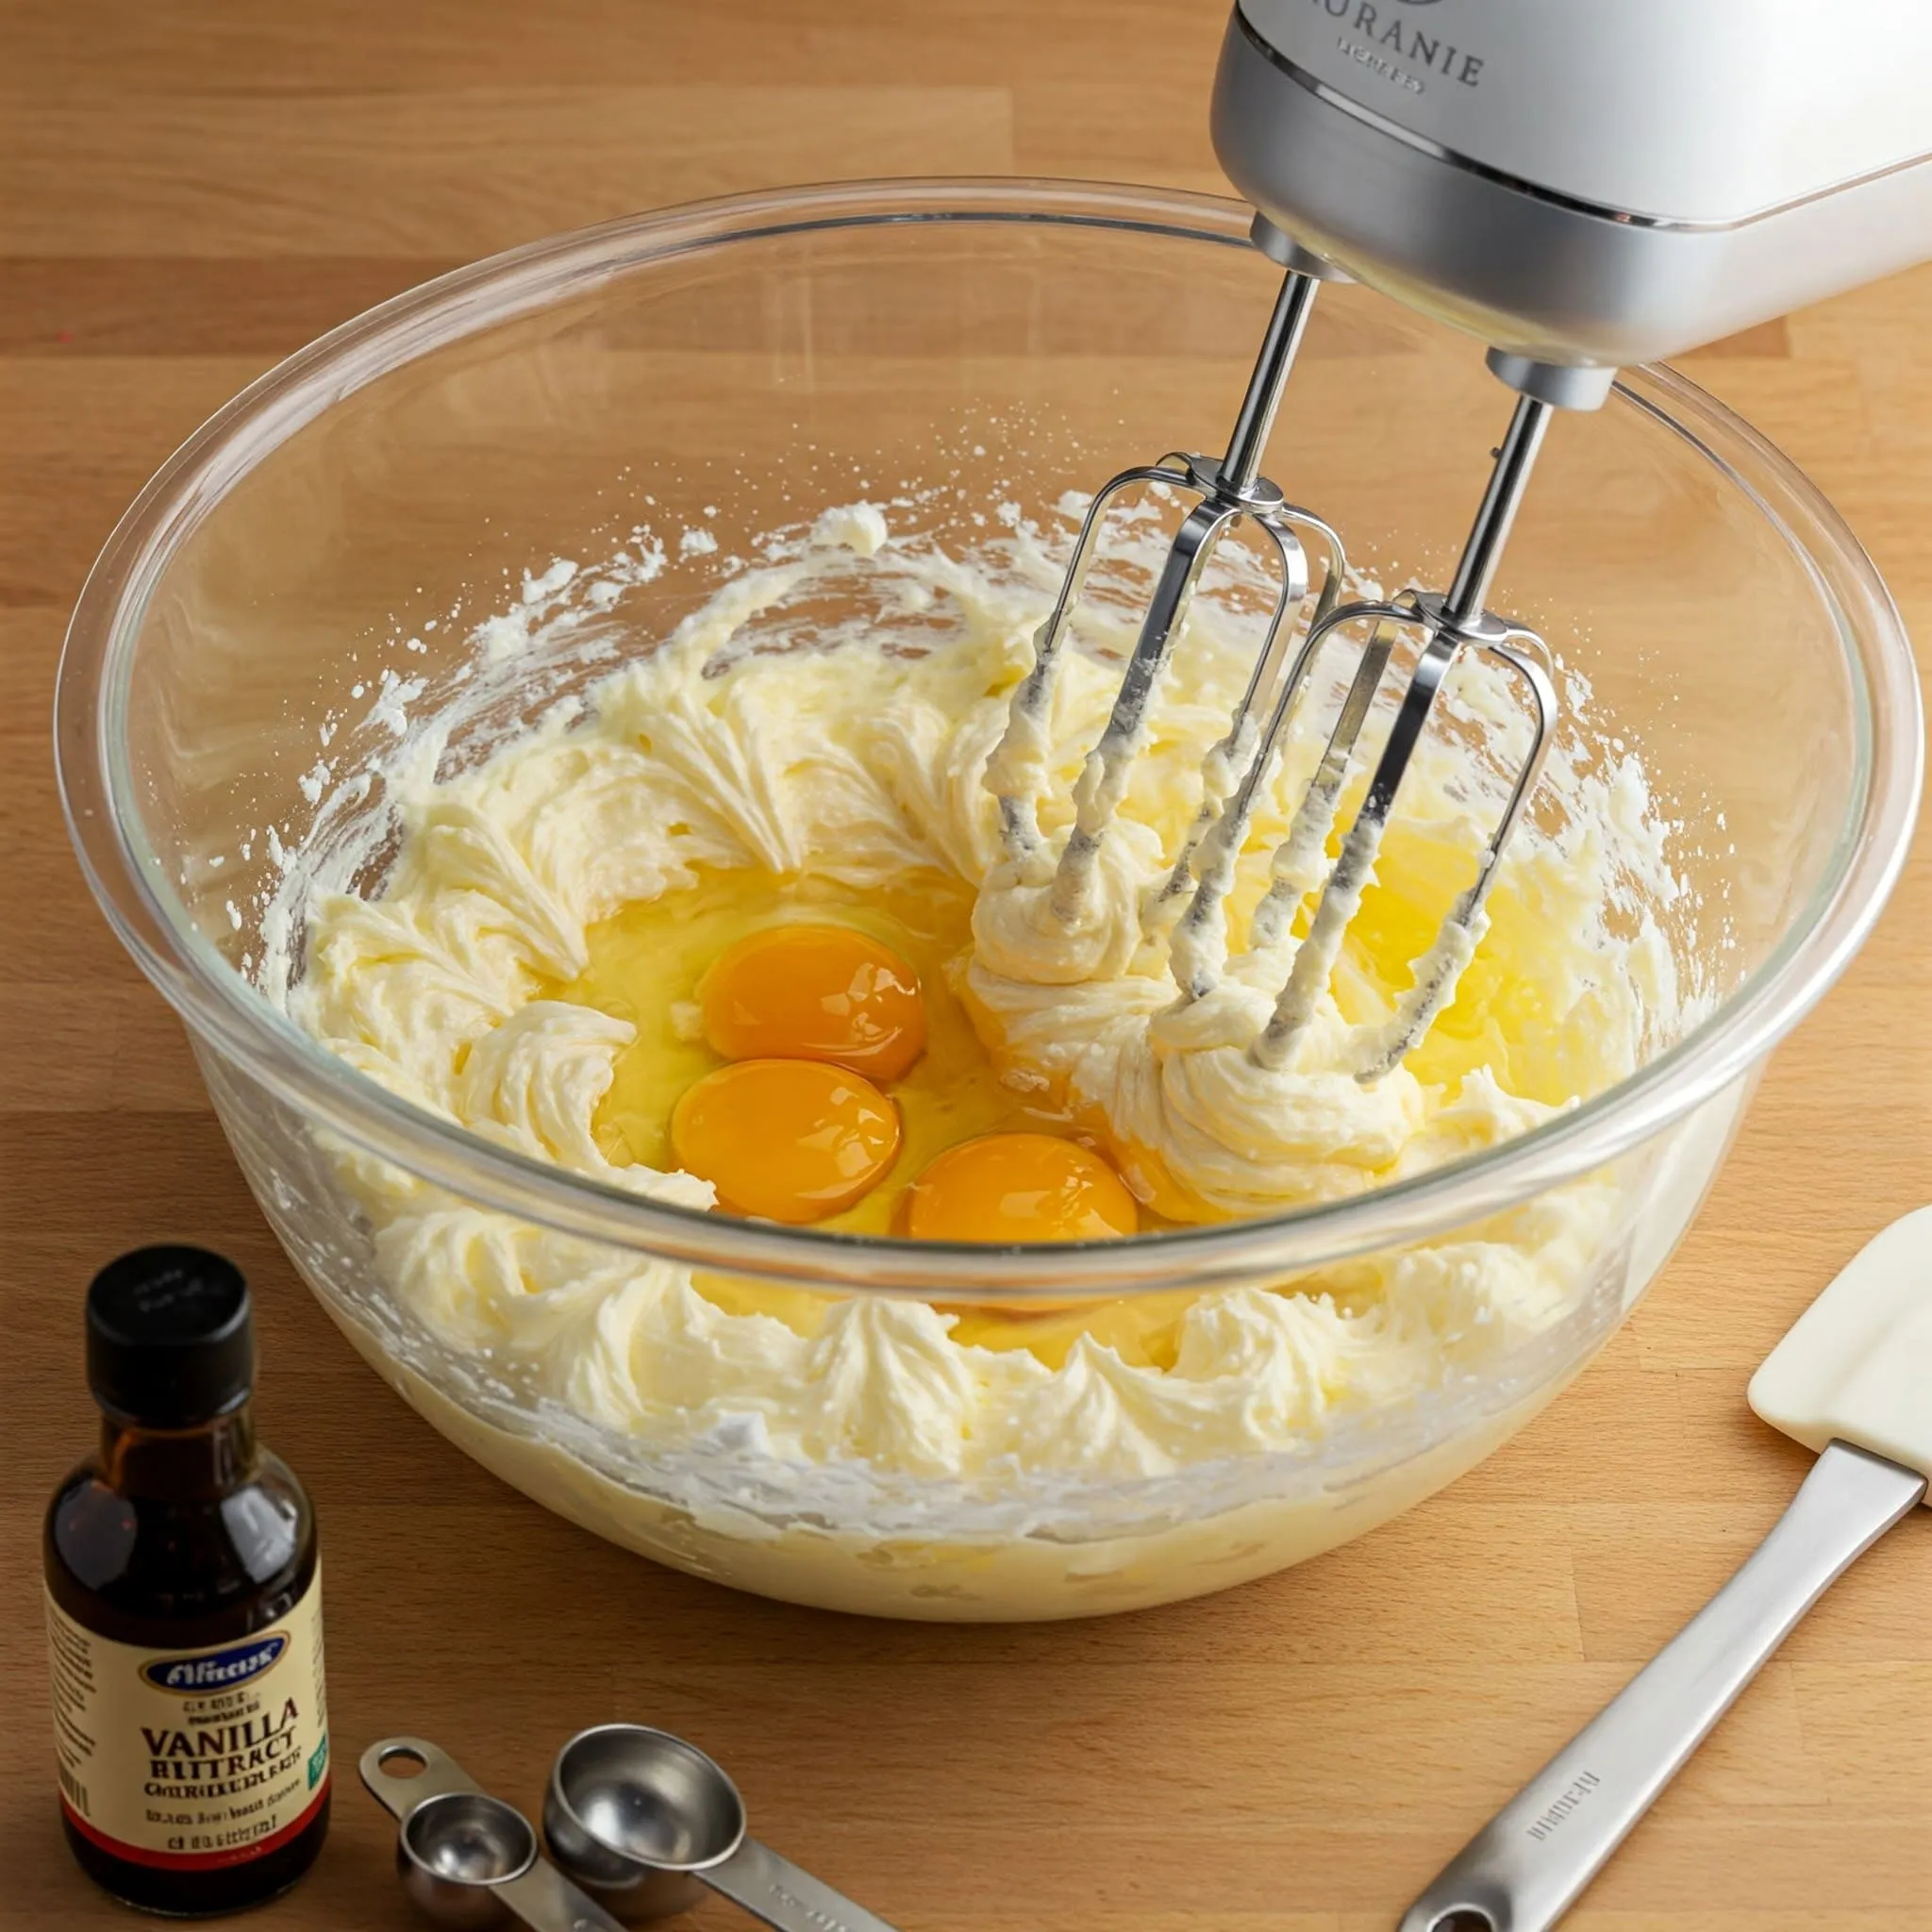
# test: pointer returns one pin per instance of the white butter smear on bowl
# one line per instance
(751, 738)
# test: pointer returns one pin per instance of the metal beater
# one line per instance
(1229, 489)
(1190, 909)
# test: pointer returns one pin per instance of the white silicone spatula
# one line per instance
(1852, 1380)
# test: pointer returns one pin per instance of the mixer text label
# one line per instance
(1368, 31)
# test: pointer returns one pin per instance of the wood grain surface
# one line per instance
(188, 191)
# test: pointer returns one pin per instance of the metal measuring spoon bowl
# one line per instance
(455, 1848)
(644, 1821)
(635, 1815)
(468, 1860)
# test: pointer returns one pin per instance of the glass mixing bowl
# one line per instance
(260, 628)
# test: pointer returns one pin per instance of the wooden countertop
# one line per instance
(190, 191)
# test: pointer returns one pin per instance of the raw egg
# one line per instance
(1018, 1187)
(815, 992)
(789, 1141)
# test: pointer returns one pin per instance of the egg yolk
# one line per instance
(1018, 1187)
(815, 992)
(789, 1141)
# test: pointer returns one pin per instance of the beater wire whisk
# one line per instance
(1190, 907)
(1229, 489)
(1448, 624)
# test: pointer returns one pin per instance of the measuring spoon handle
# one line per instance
(546, 1901)
(1523, 1870)
(774, 1890)
(438, 1773)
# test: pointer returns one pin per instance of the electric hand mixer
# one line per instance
(1579, 184)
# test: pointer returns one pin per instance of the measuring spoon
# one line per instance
(468, 1860)
(644, 1821)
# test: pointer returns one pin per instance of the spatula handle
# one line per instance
(1523, 1870)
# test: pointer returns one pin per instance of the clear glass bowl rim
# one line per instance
(225, 1014)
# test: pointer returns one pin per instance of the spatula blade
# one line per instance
(1857, 1365)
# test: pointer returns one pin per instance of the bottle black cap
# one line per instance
(170, 1342)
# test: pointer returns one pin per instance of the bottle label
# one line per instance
(186, 1759)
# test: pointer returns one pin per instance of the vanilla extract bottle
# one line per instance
(184, 1609)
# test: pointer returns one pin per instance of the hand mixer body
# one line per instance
(1587, 182)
